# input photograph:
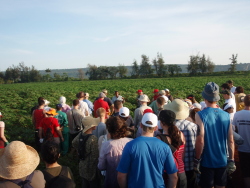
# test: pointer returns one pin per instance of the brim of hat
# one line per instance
(24, 169)
(210, 98)
(95, 123)
(183, 114)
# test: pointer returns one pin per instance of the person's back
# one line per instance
(216, 125)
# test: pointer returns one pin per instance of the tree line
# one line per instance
(146, 68)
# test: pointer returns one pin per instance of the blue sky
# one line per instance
(59, 34)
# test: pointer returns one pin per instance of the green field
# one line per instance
(16, 100)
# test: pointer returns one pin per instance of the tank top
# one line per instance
(216, 125)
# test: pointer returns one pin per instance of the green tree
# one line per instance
(135, 69)
(233, 63)
(47, 70)
(160, 68)
(80, 74)
(145, 67)
(210, 65)
(35, 75)
(122, 71)
(193, 64)
(112, 71)
(57, 76)
(92, 72)
(203, 64)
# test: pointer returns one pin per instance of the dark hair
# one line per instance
(41, 102)
(225, 86)
(80, 94)
(192, 98)
(193, 112)
(116, 127)
(50, 152)
(247, 100)
(117, 104)
(160, 100)
(167, 119)
(239, 89)
(230, 81)
(76, 102)
(40, 99)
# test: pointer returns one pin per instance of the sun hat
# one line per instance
(89, 122)
(211, 92)
(102, 95)
(124, 112)
(197, 105)
(149, 120)
(105, 91)
(167, 116)
(17, 160)
(52, 111)
(179, 107)
(148, 111)
(226, 91)
(167, 90)
(86, 95)
(119, 98)
(162, 92)
(156, 91)
(144, 98)
(139, 91)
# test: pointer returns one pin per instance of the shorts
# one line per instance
(213, 176)
(244, 164)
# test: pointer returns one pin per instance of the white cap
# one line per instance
(46, 102)
(149, 120)
(119, 98)
(124, 112)
(167, 90)
(0, 114)
(166, 98)
(228, 106)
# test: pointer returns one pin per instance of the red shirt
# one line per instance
(100, 103)
(38, 116)
(50, 122)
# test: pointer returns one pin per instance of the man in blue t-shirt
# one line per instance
(213, 136)
(146, 158)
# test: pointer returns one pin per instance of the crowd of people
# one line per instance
(170, 142)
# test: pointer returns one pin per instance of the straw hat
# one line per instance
(17, 160)
(52, 111)
(144, 98)
(179, 107)
(90, 122)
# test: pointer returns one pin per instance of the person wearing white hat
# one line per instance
(145, 158)
(143, 99)
(17, 166)
(65, 107)
(3, 140)
(124, 114)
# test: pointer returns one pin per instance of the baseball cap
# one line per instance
(149, 120)
(124, 112)
(139, 91)
(147, 111)
(58, 105)
(156, 90)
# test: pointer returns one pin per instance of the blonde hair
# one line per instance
(101, 112)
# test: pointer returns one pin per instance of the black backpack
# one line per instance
(25, 183)
(60, 181)
(82, 153)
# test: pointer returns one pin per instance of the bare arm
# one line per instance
(199, 144)
(2, 134)
(58, 130)
(230, 143)
(122, 179)
(172, 181)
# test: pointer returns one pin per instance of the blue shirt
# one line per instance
(145, 159)
(216, 125)
(90, 105)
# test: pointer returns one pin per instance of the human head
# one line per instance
(62, 100)
(76, 102)
(80, 95)
(41, 102)
(167, 117)
(139, 92)
(116, 93)
(17, 160)
(50, 152)
(179, 107)
(116, 127)
(86, 95)
(247, 100)
(193, 112)
(167, 91)
(211, 92)
(156, 91)
(102, 95)
(51, 112)
(124, 112)
(149, 122)
(192, 98)
(239, 89)
(226, 93)
(160, 101)
(162, 93)
(228, 107)
(90, 123)
(117, 104)
(58, 107)
(230, 83)
(40, 99)
(225, 86)
(105, 91)
(101, 112)
(143, 99)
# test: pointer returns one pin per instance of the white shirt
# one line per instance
(84, 109)
(232, 102)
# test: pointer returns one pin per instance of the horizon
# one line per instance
(64, 35)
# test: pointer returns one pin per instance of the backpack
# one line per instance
(173, 149)
(24, 184)
(60, 181)
(82, 146)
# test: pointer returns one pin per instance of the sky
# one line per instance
(59, 34)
